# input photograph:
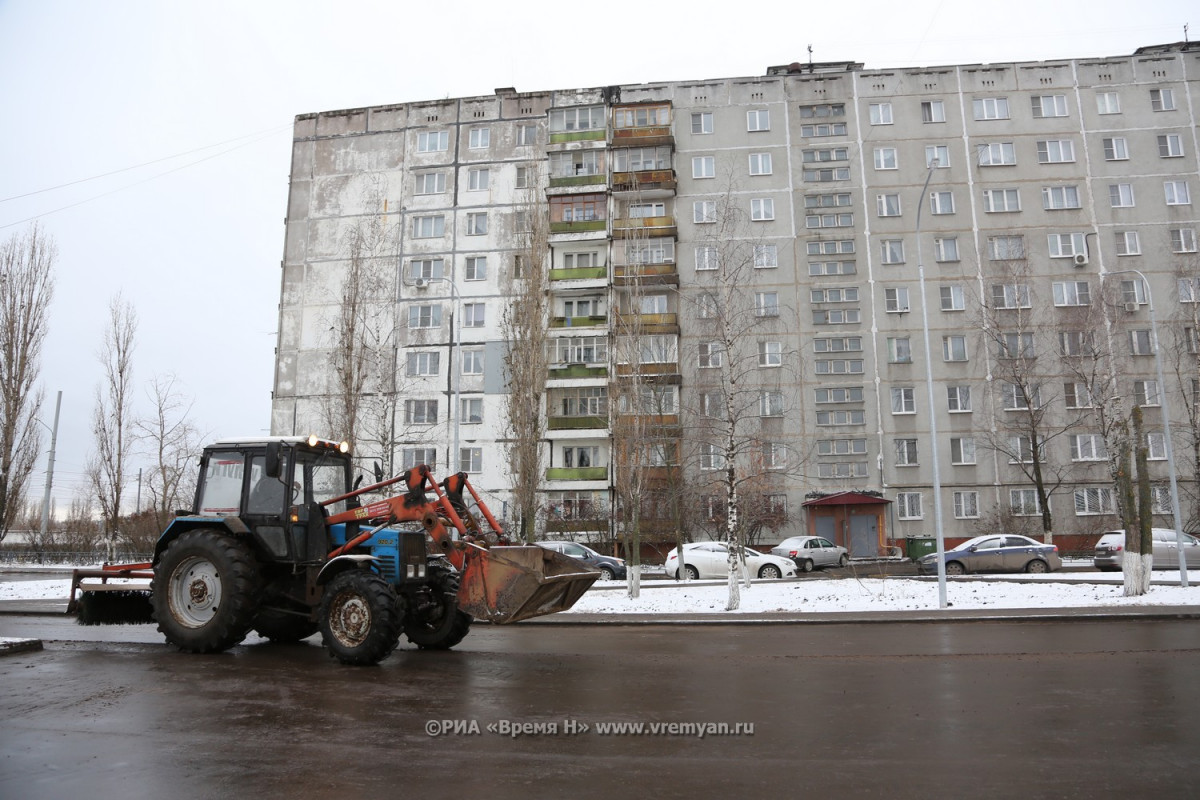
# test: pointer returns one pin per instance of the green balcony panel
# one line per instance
(578, 136)
(577, 474)
(579, 274)
(576, 423)
(582, 226)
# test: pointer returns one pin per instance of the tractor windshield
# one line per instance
(328, 474)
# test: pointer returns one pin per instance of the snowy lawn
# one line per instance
(1061, 590)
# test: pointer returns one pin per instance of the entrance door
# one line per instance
(864, 535)
(825, 526)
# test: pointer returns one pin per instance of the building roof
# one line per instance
(847, 499)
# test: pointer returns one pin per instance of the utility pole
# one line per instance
(50, 468)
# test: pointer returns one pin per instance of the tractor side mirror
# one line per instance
(271, 464)
(378, 472)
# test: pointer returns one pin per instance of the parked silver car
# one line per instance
(609, 566)
(810, 552)
(1111, 548)
(711, 560)
(995, 553)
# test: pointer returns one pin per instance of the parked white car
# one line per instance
(711, 560)
(1111, 548)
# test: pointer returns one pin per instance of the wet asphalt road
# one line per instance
(983, 709)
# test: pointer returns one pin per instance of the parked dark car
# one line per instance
(610, 568)
(995, 553)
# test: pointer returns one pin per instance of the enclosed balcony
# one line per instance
(571, 169)
(575, 358)
(578, 408)
(578, 213)
(645, 124)
(577, 124)
(644, 219)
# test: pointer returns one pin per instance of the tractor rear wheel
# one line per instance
(360, 618)
(439, 625)
(205, 591)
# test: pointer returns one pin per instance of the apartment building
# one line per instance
(1041, 210)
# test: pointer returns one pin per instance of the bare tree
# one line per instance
(524, 327)
(112, 419)
(173, 444)
(1181, 343)
(26, 288)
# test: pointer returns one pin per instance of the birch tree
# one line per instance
(26, 288)
(112, 419)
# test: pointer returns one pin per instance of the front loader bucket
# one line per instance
(509, 584)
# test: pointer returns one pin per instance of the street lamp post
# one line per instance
(933, 434)
(50, 468)
(1166, 415)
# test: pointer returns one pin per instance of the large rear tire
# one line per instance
(436, 623)
(205, 591)
(359, 618)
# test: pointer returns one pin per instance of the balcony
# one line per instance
(647, 323)
(579, 322)
(650, 180)
(651, 368)
(646, 274)
(577, 474)
(579, 226)
(576, 371)
(576, 423)
(643, 226)
(579, 274)
(568, 181)
(563, 137)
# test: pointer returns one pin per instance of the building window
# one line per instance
(1183, 240)
(1006, 248)
(1056, 151)
(825, 154)
(904, 400)
(479, 138)
(477, 179)
(1024, 502)
(1156, 446)
(839, 366)
(954, 348)
(704, 167)
(848, 469)
(1077, 395)
(1177, 193)
(428, 226)
(839, 294)
(997, 154)
(880, 113)
(470, 459)
(908, 505)
(1145, 393)
(433, 141)
(887, 205)
(990, 108)
(766, 304)
(770, 404)
(841, 447)
(1072, 293)
(906, 452)
(416, 456)
(958, 398)
(472, 362)
(425, 269)
(1140, 343)
(766, 256)
(845, 344)
(1108, 103)
(1055, 198)
(1127, 243)
(1018, 344)
(1162, 99)
(953, 298)
(1075, 343)
(577, 118)
(1116, 149)
(962, 450)
(1120, 195)
(760, 163)
(474, 314)
(1000, 201)
(826, 175)
(838, 394)
(831, 248)
(475, 268)
(899, 350)
(1049, 105)
(527, 135)
(837, 316)
(431, 183)
(420, 412)
(845, 220)
(966, 505)
(941, 202)
(819, 268)
(933, 111)
(702, 122)
(1088, 447)
(423, 364)
(711, 457)
(896, 299)
(427, 316)
(945, 249)
(939, 153)
(885, 158)
(1066, 245)
(762, 209)
(1018, 397)
(1170, 146)
(711, 354)
(1093, 501)
(477, 223)
(891, 251)
(1133, 292)
(1010, 295)
(770, 354)
(758, 120)
(1160, 500)
(853, 417)
(471, 410)
(704, 211)
(706, 257)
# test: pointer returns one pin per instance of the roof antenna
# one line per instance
(1185, 33)
(810, 64)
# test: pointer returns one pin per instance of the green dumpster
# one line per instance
(917, 546)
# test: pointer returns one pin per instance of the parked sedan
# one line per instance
(610, 568)
(711, 560)
(810, 552)
(995, 553)
(1111, 547)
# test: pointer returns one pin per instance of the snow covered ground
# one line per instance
(1060, 590)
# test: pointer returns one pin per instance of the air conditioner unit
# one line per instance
(1081, 259)
(1131, 307)
(420, 283)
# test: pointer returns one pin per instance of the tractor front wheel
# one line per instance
(434, 621)
(205, 591)
(360, 618)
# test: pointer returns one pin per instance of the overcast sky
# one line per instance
(185, 110)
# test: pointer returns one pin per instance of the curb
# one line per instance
(10, 647)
